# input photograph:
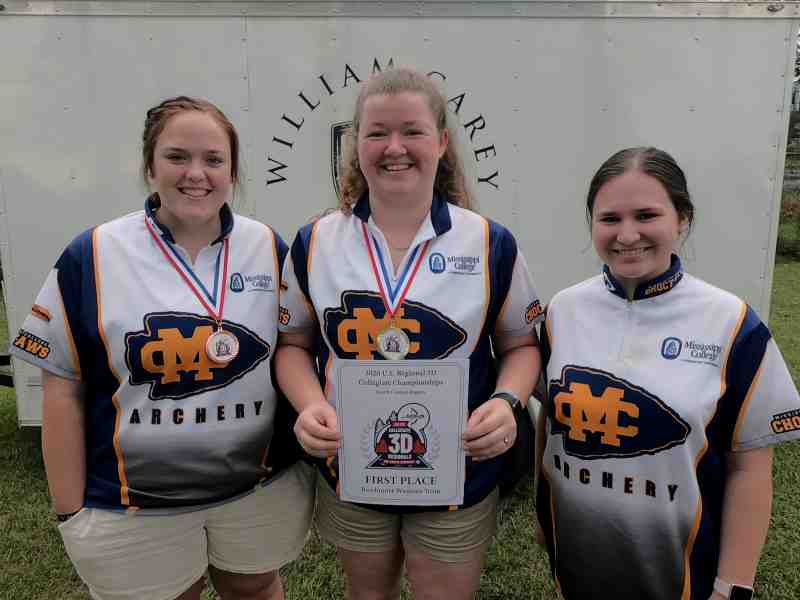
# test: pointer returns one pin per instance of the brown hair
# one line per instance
(653, 162)
(450, 180)
(157, 118)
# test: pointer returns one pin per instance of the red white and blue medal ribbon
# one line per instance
(221, 346)
(392, 342)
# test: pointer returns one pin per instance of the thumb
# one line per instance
(327, 416)
(478, 415)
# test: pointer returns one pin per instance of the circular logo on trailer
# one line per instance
(436, 262)
(320, 101)
(671, 348)
(237, 283)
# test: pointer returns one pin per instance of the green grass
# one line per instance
(789, 225)
(33, 565)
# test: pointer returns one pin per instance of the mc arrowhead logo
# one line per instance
(169, 354)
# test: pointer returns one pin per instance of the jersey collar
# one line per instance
(647, 289)
(439, 215)
(153, 203)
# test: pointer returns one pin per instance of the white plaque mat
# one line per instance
(401, 424)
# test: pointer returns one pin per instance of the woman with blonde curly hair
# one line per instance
(398, 254)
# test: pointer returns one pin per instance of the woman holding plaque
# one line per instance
(665, 397)
(162, 432)
(405, 270)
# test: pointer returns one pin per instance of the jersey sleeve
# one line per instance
(761, 394)
(281, 249)
(513, 292)
(47, 336)
(296, 311)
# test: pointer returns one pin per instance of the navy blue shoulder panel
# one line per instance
(281, 247)
(544, 344)
(744, 360)
(299, 253)
(502, 257)
(78, 286)
(76, 282)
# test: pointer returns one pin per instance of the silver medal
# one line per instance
(222, 346)
(393, 343)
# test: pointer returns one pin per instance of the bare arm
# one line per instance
(520, 364)
(746, 511)
(64, 442)
(491, 428)
(316, 427)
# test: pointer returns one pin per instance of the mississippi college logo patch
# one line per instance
(671, 348)
(256, 282)
(599, 415)
(403, 440)
(169, 354)
(237, 282)
(436, 262)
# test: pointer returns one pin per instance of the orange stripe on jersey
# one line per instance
(745, 406)
(41, 312)
(278, 272)
(687, 553)
(311, 239)
(124, 496)
(68, 330)
(549, 332)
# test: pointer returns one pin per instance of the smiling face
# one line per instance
(191, 170)
(635, 227)
(399, 147)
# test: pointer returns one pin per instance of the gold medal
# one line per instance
(393, 343)
(222, 346)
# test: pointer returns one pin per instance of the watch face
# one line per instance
(740, 593)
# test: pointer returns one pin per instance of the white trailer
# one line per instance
(541, 93)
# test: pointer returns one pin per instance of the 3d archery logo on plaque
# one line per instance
(402, 440)
(401, 424)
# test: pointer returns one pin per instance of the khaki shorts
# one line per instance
(446, 536)
(127, 556)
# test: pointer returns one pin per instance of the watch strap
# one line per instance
(508, 396)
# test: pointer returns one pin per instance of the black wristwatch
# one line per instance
(731, 591)
(508, 396)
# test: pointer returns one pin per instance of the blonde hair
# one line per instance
(450, 180)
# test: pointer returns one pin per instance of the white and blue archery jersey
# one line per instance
(166, 427)
(471, 283)
(645, 399)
